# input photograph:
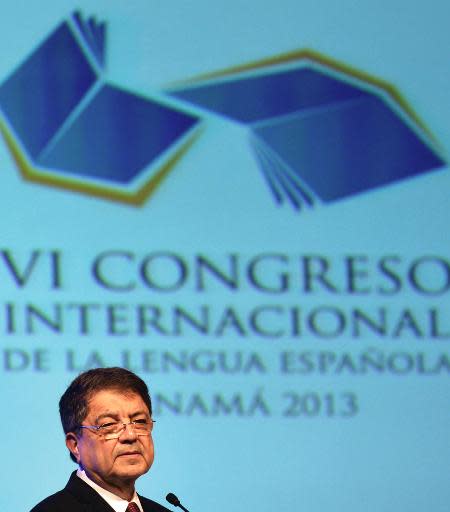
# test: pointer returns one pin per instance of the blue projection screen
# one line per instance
(246, 203)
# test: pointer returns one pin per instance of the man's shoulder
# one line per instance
(60, 501)
(74, 497)
(152, 506)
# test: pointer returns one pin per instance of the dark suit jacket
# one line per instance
(78, 496)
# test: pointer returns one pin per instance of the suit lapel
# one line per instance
(152, 506)
(87, 497)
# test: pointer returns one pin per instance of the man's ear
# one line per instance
(72, 445)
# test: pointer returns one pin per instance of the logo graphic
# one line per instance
(320, 131)
(66, 126)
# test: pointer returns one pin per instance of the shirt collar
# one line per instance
(114, 501)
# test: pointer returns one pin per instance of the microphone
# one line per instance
(173, 500)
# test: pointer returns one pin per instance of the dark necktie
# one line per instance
(132, 507)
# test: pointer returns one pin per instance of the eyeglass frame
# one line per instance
(116, 435)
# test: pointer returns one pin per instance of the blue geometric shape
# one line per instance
(115, 136)
(94, 35)
(39, 96)
(315, 135)
(350, 148)
(70, 123)
(252, 99)
(283, 182)
(99, 31)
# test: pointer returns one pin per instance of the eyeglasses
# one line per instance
(114, 430)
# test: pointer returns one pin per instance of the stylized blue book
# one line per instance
(67, 121)
(318, 134)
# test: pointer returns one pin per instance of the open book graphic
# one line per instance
(67, 121)
(318, 132)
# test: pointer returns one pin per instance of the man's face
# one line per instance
(111, 463)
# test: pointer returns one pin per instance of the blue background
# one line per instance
(393, 455)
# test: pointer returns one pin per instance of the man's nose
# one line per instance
(128, 433)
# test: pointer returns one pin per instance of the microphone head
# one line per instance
(173, 500)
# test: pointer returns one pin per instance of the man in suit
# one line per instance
(106, 415)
